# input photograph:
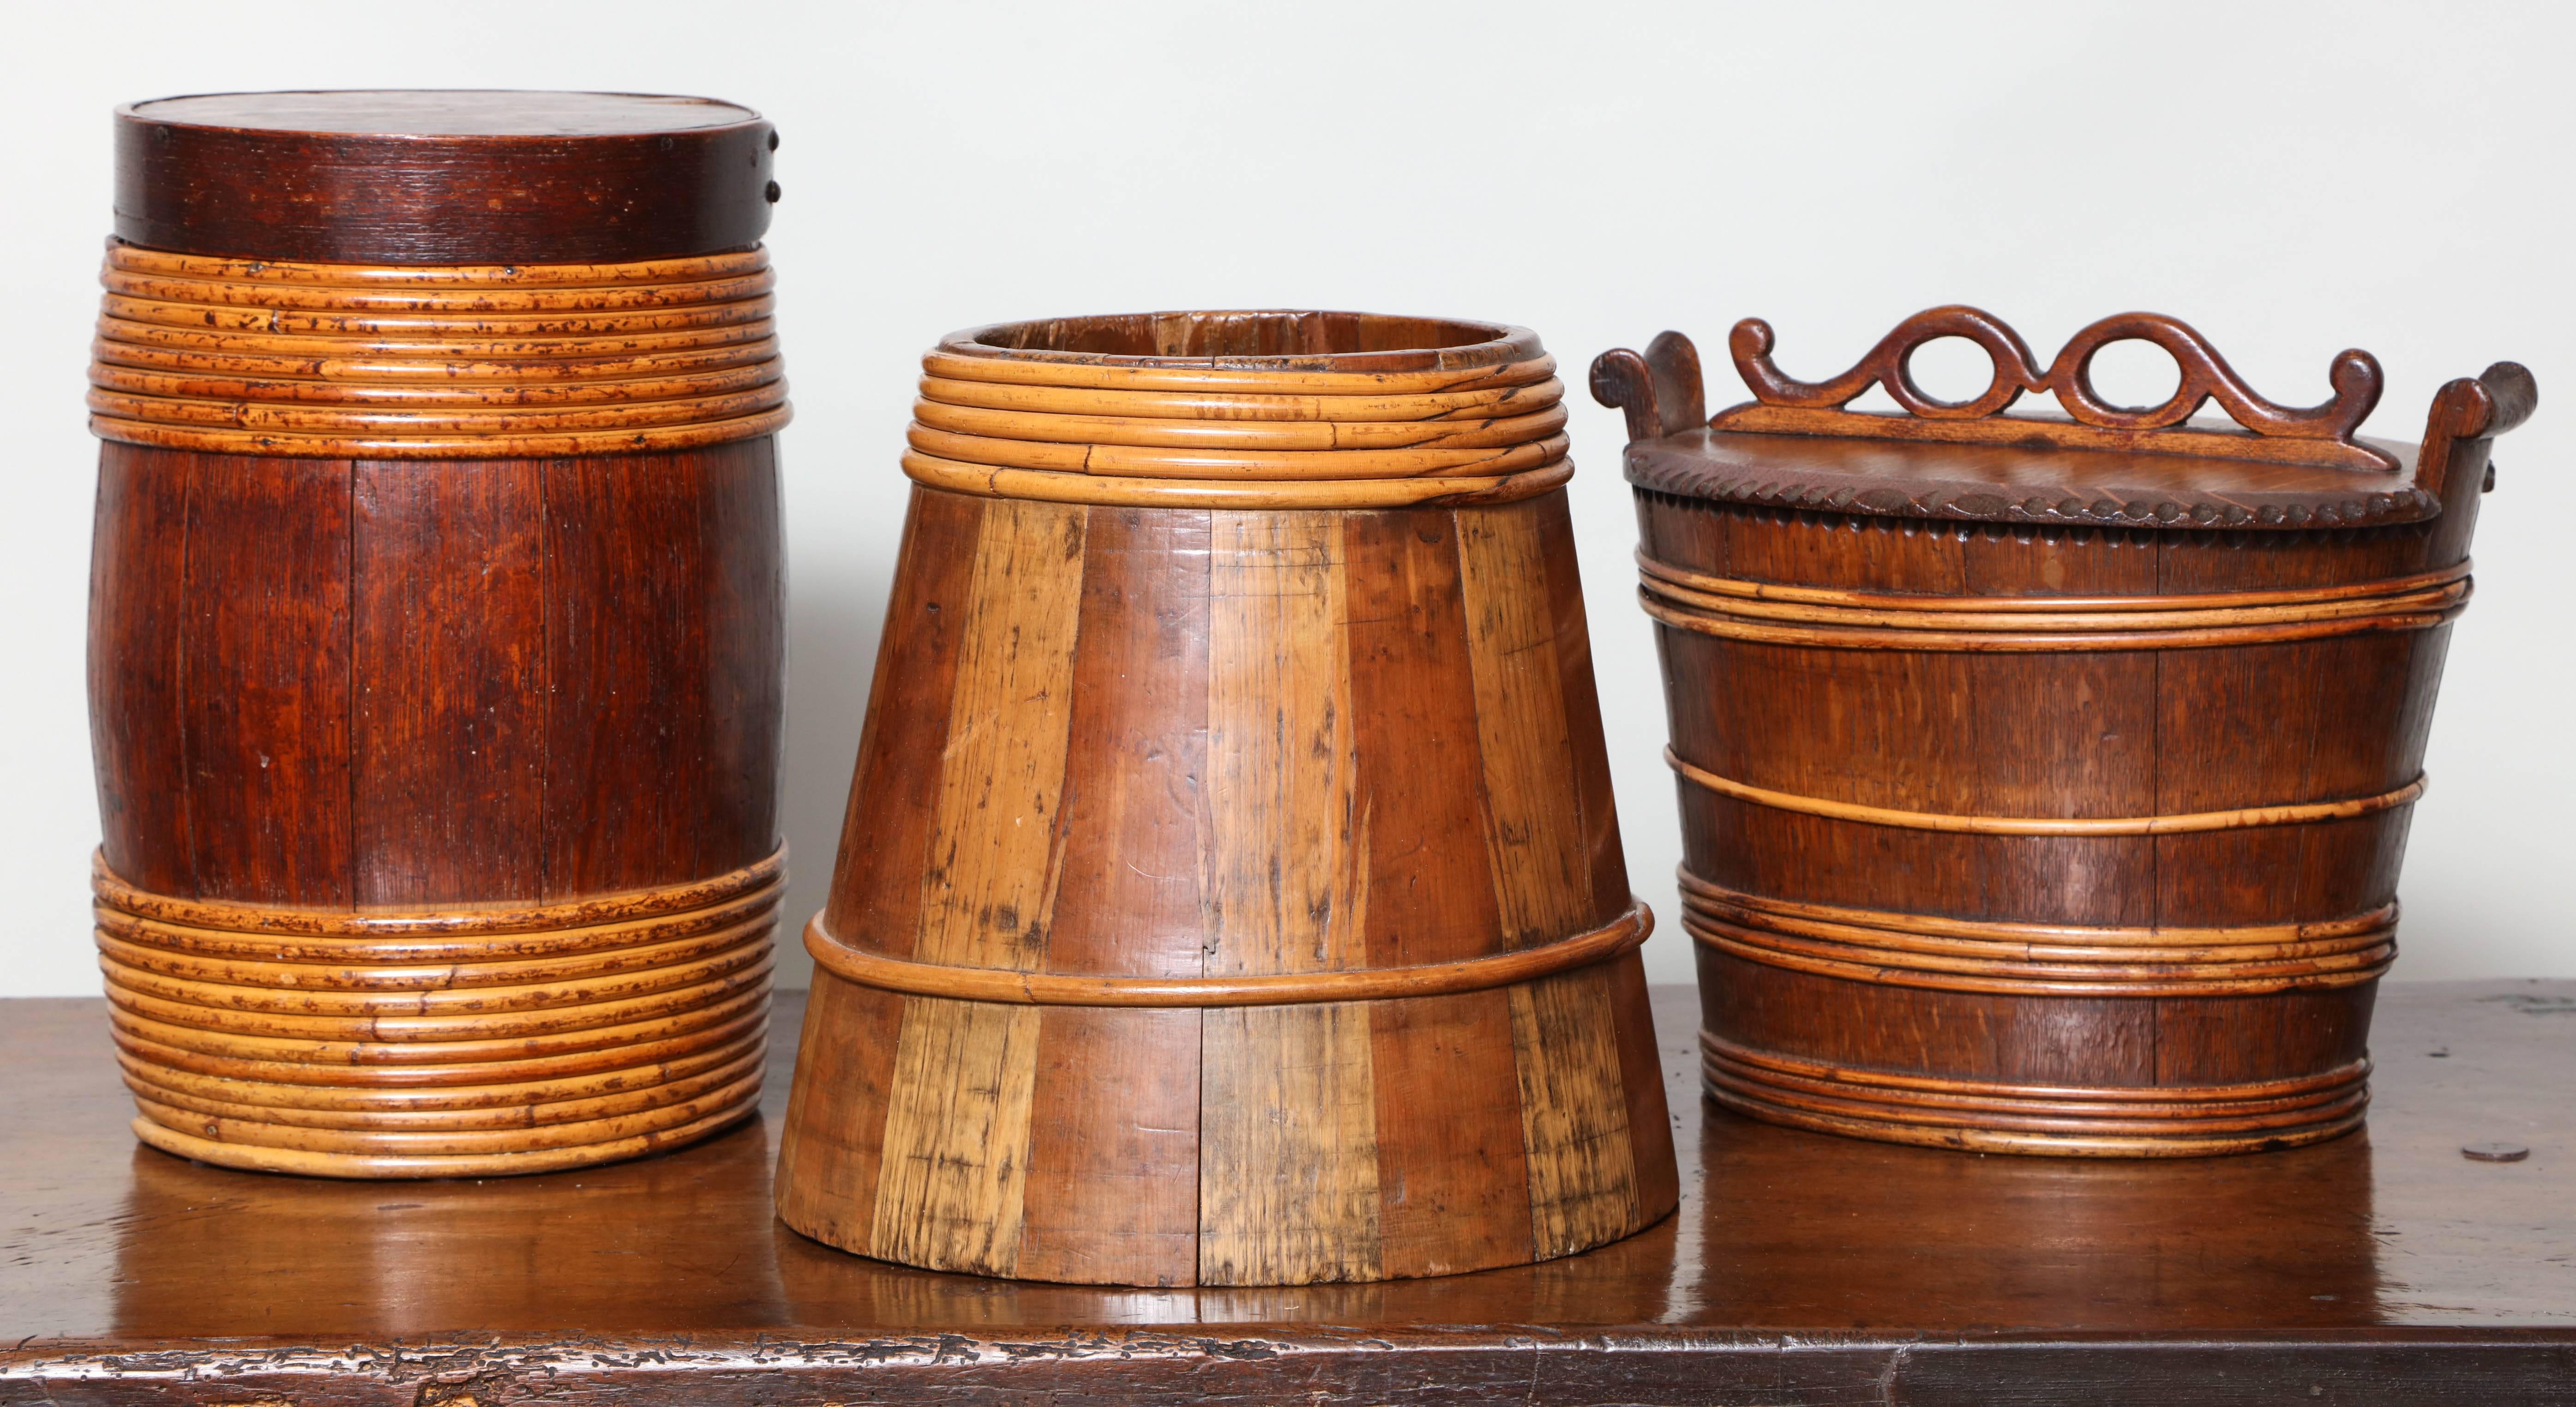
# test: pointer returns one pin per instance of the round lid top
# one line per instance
(430, 113)
(443, 177)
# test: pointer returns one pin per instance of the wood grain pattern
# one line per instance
(2058, 826)
(1264, 990)
(434, 793)
(1452, 1176)
(957, 1128)
(1113, 1152)
(1287, 1180)
(264, 666)
(449, 781)
(138, 725)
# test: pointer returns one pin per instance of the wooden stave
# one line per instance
(522, 1099)
(452, 1142)
(1243, 407)
(255, 1159)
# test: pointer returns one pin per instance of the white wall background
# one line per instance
(2291, 178)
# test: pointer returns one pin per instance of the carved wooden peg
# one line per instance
(1661, 391)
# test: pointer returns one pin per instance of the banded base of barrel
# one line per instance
(309, 1162)
(2137, 1076)
(1230, 1145)
(2050, 1121)
(408, 1044)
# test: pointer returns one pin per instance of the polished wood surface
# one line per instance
(1795, 449)
(437, 628)
(2319, 435)
(2384, 1267)
(2066, 823)
(1231, 894)
(438, 177)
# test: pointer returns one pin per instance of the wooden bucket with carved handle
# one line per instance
(1231, 892)
(2044, 781)
(436, 627)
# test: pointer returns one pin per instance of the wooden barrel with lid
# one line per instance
(436, 626)
(2044, 782)
(1231, 892)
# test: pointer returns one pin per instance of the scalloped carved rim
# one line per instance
(2319, 435)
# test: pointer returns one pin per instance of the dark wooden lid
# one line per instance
(442, 177)
(2036, 483)
(1796, 446)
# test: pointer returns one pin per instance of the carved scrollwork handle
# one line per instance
(2325, 430)
(2206, 376)
(1890, 364)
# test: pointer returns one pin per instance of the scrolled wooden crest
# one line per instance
(2320, 435)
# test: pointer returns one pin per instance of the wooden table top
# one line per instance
(2384, 1267)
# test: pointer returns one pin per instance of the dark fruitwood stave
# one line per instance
(2044, 783)
(2385, 1268)
(397, 699)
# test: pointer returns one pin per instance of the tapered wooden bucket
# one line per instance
(2044, 782)
(435, 633)
(1231, 892)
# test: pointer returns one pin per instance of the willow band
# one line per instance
(326, 1042)
(2190, 823)
(987, 984)
(1487, 429)
(490, 362)
(1822, 618)
(1921, 950)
